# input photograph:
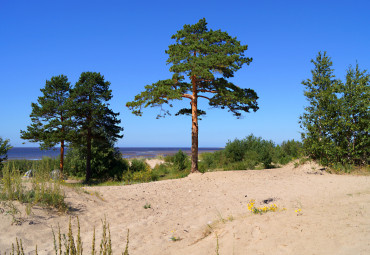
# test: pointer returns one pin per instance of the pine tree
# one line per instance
(92, 117)
(201, 61)
(50, 117)
(4, 147)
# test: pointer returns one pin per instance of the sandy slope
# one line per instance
(335, 215)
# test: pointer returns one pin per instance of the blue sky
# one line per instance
(126, 42)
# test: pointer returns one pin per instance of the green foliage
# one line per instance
(23, 165)
(107, 162)
(42, 191)
(92, 117)
(50, 117)
(139, 171)
(202, 55)
(168, 171)
(354, 122)
(215, 160)
(4, 147)
(78, 116)
(201, 61)
(138, 165)
(179, 160)
(147, 205)
(252, 149)
(288, 151)
(250, 153)
(336, 122)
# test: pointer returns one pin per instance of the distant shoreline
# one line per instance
(34, 153)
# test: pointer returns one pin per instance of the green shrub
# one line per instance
(168, 171)
(138, 165)
(162, 170)
(241, 165)
(181, 160)
(249, 152)
(106, 162)
(213, 160)
(250, 148)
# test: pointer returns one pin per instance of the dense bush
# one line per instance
(288, 151)
(179, 160)
(106, 163)
(252, 149)
(250, 152)
(138, 165)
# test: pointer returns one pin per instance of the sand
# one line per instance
(334, 217)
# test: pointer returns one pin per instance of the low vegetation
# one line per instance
(251, 153)
(68, 244)
(41, 189)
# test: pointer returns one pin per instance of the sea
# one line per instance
(34, 153)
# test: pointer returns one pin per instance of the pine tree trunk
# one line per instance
(88, 143)
(61, 166)
(88, 155)
(194, 129)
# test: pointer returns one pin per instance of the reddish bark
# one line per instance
(194, 127)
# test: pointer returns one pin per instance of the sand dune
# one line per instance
(334, 219)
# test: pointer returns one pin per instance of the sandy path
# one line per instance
(335, 215)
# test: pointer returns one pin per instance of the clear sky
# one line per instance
(126, 42)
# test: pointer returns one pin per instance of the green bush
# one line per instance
(241, 165)
(287, 151)
(106, 163)
(161, 170)
(249, 152)
(138, 165)
(181, 161)
(250, 148)
(168, 171)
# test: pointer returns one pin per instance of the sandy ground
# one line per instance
(334, 219)
(153, 162)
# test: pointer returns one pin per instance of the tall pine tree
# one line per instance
(50, 116)
(92, 117)
(201, 61)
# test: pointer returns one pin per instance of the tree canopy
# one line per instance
(92, 117)
(201, 61)
(50, 116)
(336, 122)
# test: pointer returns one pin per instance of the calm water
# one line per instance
(34, 153)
